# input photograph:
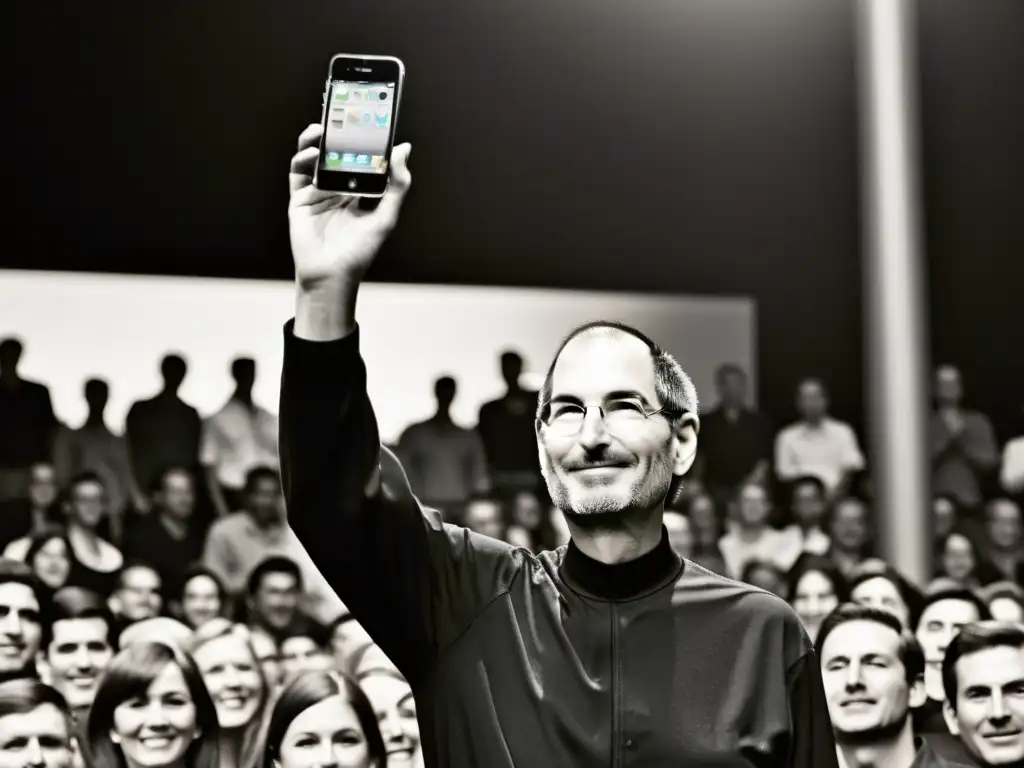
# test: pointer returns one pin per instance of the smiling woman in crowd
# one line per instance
(393, 704)
(323, 719)
(234, 679)
(152, 710)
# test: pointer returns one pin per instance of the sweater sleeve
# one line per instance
(413, 582)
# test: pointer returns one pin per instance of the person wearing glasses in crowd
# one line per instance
(610, 649)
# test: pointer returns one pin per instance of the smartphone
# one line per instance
(361, 99)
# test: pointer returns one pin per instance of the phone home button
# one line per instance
(351, 183)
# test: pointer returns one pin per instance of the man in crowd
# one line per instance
(238, 438)
(873, 673)
(36, 730)
(946, 612)
(809, 506)
(236, 544)
(484, 515)
(35, 510)
(736, 441)
(168, 537)
(983, 676)
(78, 642)
(138, 595)
(849, 531)
(751, 538)
(164, 430)
(273, 592)
(1005, 535)
(818, 444)
(610, 650)
(505, 426)
(20, 620)
(29, 426)
(963, 443)
(445, 462)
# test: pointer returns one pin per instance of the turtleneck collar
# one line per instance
(622, 581)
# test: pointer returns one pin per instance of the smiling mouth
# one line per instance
(12, 649)
(858, 702)
(156, 742)
(1001, 737)
(233, 702)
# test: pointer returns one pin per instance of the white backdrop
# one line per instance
(75, 326)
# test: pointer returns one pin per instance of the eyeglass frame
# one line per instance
(675, 414)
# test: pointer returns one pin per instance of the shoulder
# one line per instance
(790, 431)
(229, 525)
(110, 556)
(837, 427)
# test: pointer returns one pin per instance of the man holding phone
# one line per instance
(611, 650)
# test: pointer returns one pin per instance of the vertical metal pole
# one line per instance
(894, 288)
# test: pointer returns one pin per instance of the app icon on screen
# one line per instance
(359, 95)
(362, 160)
(382, 117)
(333, 158)
(341, 95)
(382, 95)
(348, 158)
(378, 162)
(353, 115)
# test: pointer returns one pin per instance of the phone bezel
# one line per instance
(357, 68)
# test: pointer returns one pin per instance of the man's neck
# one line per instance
(732, 410)
(95, 420)
(630, 539)
(266, 523)
(244, 397)
(39, 519)
(898, 753)
(442, 418)
(815, 423)
(750, 533)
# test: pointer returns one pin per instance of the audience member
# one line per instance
(38, 508)
(814, 587)
(49, 556)
(445, 463)
(159, 629)
(873, 674)
(20, 620)
(236, 544)
(323, 718)
(29, 425)
(346, 636)
(962, 558)
(963, 443)
(736, 441)
(232, 675)
(163, 431)
(506, 427)
(152, 709)
(1011, 472)
(35, 726)
(945, 613)
(392, 700)
(1005, 535)
(240, 437)
(484, 514)
(94, 448)
(849, 530)
(301, 652)
(95, 562)
(1005, 601)
(138, 595)
(818, 444)
(983, 678)
(707, 532)
(946, 515)
(168, 538)
(766, 576)
(877, 585)
(202, 596)
(273, 595)
(809, 507)
(750, 537)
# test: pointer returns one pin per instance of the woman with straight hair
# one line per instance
(323, 719)
(152, 710)
(232, 673)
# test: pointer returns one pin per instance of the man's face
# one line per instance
(850, 525)
(264, 500)
(302, 654)
(808, 504)
(42, 489)
(1006, 609)
(347, 637)
(277, 599)
(88, 504)
(1004, 524)
(265, 649)
(140, 594)
(989, 716)
(753, 506)
(177, 496)
(37, 739)
(20, 631)
(595, 472)
(882, 594)
(733, 388)
(940, 622)
(948, 387)
(200, 600)
(77, 657)
(944, 514)
(811, 401)
(957, 557)
(865, 682)
(484, 517)
(680, 534)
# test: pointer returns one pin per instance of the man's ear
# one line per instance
(685, 444)
(949, 715)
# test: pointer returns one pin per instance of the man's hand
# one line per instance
(331, 236)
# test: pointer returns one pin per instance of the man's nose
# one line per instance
(11, 625)
(854, 679)
(83, 659)
(997, 710)
(593, 431)
(34, 757)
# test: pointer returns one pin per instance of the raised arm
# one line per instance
(411, 582)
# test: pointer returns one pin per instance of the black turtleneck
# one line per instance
(620, 581)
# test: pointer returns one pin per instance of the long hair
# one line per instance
(129, 675)
(310, 688)
(218, 628)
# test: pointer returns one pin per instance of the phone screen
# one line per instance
(358, 125)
